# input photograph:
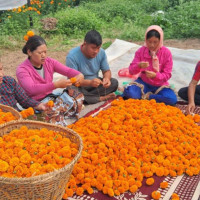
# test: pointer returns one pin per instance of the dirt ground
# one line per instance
(11, 59)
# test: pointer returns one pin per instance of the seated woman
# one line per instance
(153, 62)
(192, 93)
(35, 75)
(12, 93)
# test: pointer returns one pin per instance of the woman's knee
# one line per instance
(133, 92)
(171, 98)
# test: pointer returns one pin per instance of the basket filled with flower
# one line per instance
(8, 113)
(36, 160)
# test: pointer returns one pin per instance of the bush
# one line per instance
(185, 20)
(76, 21)
(16, 23)
(110, 9)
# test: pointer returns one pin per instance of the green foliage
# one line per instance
(11, 42)
(110, 9)
(185, 20)
(105, 45)
(151, 6)
(14, 23)
(76, 21)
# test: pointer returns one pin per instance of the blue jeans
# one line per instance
(166, 95)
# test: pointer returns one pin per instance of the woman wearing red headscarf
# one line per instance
(153, 62)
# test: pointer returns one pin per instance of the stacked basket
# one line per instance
(49, 186)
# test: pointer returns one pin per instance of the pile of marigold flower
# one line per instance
(29, 152)
(131, 140)
(6, 117)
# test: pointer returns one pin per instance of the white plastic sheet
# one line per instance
(10, 4)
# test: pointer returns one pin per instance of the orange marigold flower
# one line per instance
(155, 195)
(150, 181)
(26, 37)
(30, 33)
(175, 196)
(79, 191)
(50, 103)
(3, 166)
(164, 184)
(73, 80)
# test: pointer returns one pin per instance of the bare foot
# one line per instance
(108, 97)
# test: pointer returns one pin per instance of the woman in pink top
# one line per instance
(153, 63)
(35, 75)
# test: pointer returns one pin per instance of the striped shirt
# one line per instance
(12, 93)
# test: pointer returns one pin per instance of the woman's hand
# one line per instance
(62, 83)
(96, 82)
(79, 80)
(41, 106)
(150, 74)
(143, 64)
(190, 108)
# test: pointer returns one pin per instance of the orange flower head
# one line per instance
(175, 196)
(150, 181)
(164, 184)
(3, 166)
(73, 80)
(155, 195)
(30, 33)
(26, 37)
(50, 103)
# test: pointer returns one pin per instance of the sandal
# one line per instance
(124, 72)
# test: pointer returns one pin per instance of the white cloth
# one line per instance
(10, 4)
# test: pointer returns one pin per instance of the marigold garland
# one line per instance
(131, 140)
(29, 152)
(27, 112)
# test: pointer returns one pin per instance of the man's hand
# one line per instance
(150, 74)
(96, 82)
(62, 83)
(190, 108)
(106, 82)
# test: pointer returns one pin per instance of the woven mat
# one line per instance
(188, 188)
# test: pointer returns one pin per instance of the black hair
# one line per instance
(153, 33)
(93, 37)
(33, 43)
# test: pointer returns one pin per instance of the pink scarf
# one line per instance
(153, 53)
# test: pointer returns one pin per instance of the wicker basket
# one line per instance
(49, 186)
(12, 110)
